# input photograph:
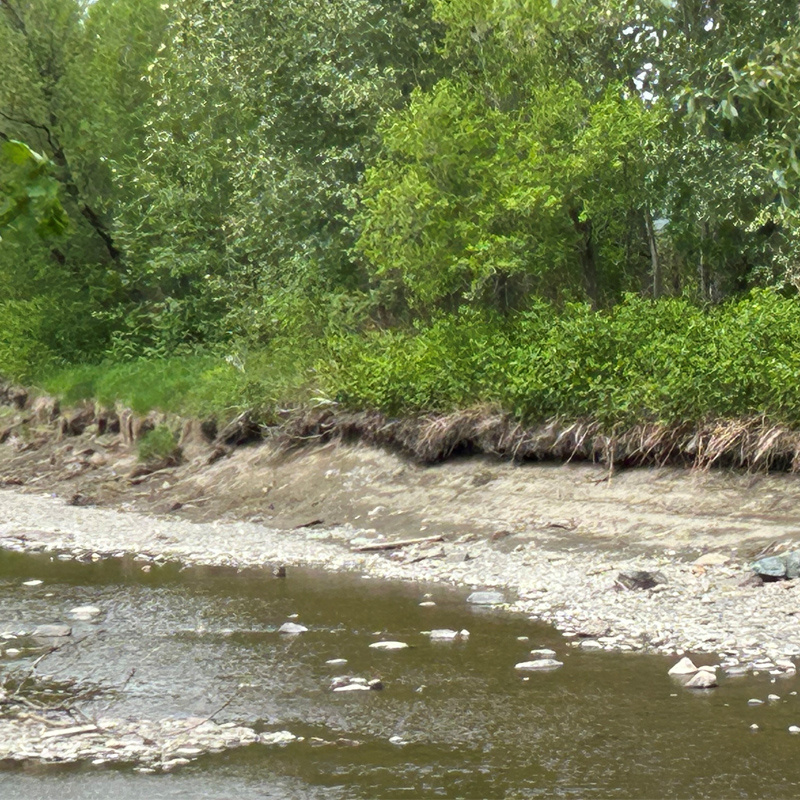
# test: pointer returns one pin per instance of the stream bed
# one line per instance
(454, 719)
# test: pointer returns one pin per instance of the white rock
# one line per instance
(397, 740)
(539, 664)
(773, 698)
(292, 627)
(684, 667)
(464, 633)
(32, 583)
(336, 662)
(754, 727)
(754, 701)
(352, 687)
(591, 644)
(543, 652)
(444, 635)
(703, 679)
(388, 645)
(427, 604)
(794, 729)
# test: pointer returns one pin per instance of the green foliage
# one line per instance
(665, 361)
(29, 194)
(159, 444)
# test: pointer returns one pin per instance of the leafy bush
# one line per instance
(159, 444)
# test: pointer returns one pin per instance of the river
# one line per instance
(454, 719)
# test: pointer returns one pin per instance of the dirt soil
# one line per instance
(560, 505)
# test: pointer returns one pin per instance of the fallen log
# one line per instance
(366, 548)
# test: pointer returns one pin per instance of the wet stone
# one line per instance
(486, 598)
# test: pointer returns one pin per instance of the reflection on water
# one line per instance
(603, 726)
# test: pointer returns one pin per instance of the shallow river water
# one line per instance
(604, 725)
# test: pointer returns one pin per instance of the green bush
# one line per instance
(159, 444)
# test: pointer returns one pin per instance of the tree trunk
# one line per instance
(654, 259)
(588, 257)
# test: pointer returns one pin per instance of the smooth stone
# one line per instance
(34, 582)
(703, 679)
(773, 698)
(544, 652)
(427, 604)
(388, 645)
(336, 662)
(539, 664)
(486, 598)
(292, 627)
(684, 667)
(52, 631)
(591, 644)
(794, 729)
(754, 701)
(754, 727)
(399, 741)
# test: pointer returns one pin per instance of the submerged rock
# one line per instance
(52, 631)
(486, 598)
(543, 652)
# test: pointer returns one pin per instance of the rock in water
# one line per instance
(640, 579)
(684, 667)
(444, 635)
(539, 664)
(486, 598)
(544, 652)
(388, 645)
(292, 627)
(277, 737)
(352, 687)
(703, 679)
(52, 631)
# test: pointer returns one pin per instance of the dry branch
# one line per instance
(366, 548)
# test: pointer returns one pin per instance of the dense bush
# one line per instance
(667, 361)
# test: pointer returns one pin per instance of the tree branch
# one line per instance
(16, 20)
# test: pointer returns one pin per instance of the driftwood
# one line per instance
(366, 548)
